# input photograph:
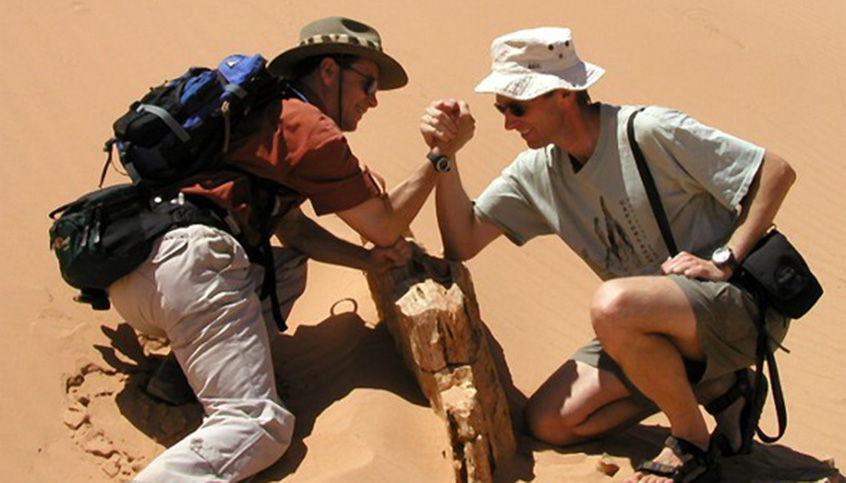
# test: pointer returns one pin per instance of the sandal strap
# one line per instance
(682, 447)
(658, 469)
(740, 388)
(695, 457)
(680, 473)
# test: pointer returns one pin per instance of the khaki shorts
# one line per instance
(725, 320)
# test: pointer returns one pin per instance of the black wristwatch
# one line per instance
(440, 162)
(723, 257)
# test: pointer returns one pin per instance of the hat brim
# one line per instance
(526, 85)
(391, 73)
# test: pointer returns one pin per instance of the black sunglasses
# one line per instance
(371, 84)
(516, 110)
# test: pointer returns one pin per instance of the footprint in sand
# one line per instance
(86, 391)
(113, 420)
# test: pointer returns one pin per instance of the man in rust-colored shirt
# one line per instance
(199, 288)
(304, 153)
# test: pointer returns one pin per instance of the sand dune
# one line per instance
(70, 407)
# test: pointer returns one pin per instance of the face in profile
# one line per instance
(360, 85)
(535, 119)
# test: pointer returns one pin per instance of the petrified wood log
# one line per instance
(431, 311)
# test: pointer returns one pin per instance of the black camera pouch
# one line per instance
(776, 272)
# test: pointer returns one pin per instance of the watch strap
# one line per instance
(439, 161)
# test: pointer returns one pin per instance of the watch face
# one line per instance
(721, 256)
(443, 164)
(439, 161)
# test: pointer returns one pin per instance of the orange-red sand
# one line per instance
(771, 72)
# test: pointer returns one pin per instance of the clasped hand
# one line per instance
(447, 125)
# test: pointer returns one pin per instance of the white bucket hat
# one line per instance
(529, 63)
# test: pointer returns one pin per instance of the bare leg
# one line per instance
(578, 403)
(647, 325)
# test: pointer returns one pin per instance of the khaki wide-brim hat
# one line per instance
(341, 36)
(529, 63)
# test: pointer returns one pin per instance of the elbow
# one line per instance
(458, 253)
(783, 173)
(453, 256)
(385, 235)
(381, 240)
(788, 175)
(780, 170)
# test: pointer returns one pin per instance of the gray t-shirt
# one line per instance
(602, 211)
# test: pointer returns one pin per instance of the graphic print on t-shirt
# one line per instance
(619, 250)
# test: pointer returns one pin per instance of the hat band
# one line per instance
(341, 39)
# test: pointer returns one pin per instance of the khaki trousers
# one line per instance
(199, 290)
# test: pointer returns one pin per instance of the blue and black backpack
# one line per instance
(176, 131)
(184, 126)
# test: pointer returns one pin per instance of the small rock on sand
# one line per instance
(75, 417)
(607, 466)
(98, 445)
(112, 466)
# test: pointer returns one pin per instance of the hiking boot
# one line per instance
(169, 384)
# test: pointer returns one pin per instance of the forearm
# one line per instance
(457, 221)
(759, 207)
(384, 220)
(300, 232)
(447, 126)
(406, 199)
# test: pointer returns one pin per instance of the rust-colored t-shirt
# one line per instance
(303, 153)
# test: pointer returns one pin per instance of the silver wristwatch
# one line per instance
(723, 257)
(440, 162)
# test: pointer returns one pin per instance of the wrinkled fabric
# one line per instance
(199, 290)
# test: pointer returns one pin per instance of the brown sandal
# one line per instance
(749, 416)
(698, 466)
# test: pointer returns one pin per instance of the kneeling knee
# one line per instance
(548, 425)
(607, 313)
(274, 427)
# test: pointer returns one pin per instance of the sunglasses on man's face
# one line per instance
(371, 84)
(516, 109)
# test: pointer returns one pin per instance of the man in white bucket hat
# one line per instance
(662, 322)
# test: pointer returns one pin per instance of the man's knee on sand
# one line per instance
(611, 315)
(281, 433)
(547, 422)
(235, 441)
(272, 426)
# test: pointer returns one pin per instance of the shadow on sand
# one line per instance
(315, 367)
(766, 463)
(321, 364)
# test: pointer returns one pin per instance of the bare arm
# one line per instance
(384, 220)
(758, 210)
(463, 233)
(299, 231)
(759, 207)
